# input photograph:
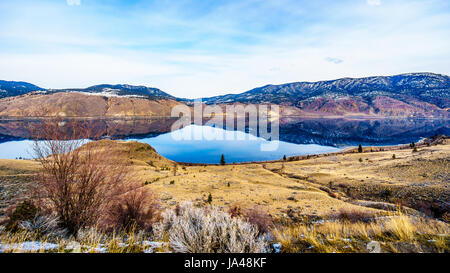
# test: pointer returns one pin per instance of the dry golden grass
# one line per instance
(15, 176)
(88, 241)
(17, 167)
(396, 233)
(314, 187)
(296, 193)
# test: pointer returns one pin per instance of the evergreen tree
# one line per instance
(222, 160)
(209, 201)
(360, 149)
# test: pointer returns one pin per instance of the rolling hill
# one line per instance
(418, 95)
(76, 104)
(119, 90)
(11, 89)
(413, 94)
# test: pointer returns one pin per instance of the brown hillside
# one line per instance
(75, 104)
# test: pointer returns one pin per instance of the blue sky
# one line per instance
(204, 48)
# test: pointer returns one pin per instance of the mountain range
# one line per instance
(406, 95)
(414, 94)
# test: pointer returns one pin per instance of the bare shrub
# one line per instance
(431, 208)
(197, 230)
(354, 215)
(235, 211)
(77, 181)
(136, 209)
(259, 217)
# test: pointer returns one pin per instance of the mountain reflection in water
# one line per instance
(297, 136)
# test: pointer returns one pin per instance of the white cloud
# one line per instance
(73, 2)
(373, 2)
(334, 60)
(65, 51)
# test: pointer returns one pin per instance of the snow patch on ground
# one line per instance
(277, 247)
(74, 247)
(109, 94)
(28, 247)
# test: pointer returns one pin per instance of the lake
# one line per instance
(297, 137)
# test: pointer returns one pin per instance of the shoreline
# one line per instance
(348, 150)
(348, 117)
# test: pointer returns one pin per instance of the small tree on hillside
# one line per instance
(360, 149)
(209, 200)
(175, 166)
(222, 160)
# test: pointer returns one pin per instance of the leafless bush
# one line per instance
(78, 181)
(138, 208)
(431, 208)
(197, 230)
(259, 217)
(354, 215)
(235, 211)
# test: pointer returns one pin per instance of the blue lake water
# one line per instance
(298, 136)
(17, 148)
(236, 146)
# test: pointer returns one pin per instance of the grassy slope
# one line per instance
(301, 186)
(15, 176)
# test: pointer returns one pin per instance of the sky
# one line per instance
(202, 48)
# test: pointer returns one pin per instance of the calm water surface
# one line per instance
(242, 148)
(297, 137)
(235, 146)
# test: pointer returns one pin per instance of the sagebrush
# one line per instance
(208, 230)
